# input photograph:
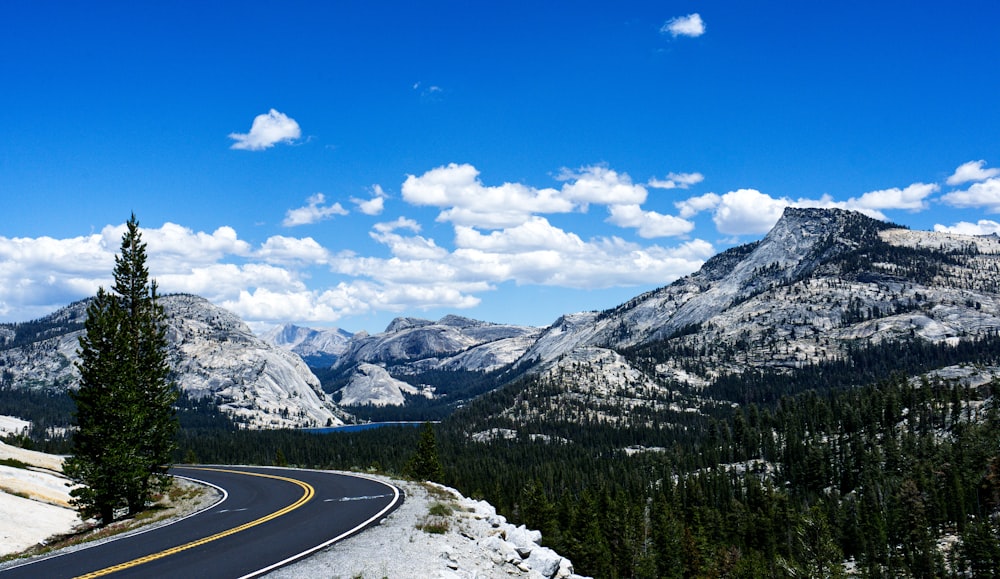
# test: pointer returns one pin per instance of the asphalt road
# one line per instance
(269, 517)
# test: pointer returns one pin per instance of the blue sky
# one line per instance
(344, 163)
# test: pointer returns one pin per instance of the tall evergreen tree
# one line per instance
(125, 416)
(424, 464)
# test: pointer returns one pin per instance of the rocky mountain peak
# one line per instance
(405, 323)
(459, 321)
(818, 282)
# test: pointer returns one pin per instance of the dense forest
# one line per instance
(867, 480)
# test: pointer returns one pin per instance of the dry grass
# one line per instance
(183, 497)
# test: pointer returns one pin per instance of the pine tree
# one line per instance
(125, 416)
(425, 464)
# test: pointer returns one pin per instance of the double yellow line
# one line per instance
(307, 495)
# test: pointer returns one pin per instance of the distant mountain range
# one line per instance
(822, 286)
(317, 347)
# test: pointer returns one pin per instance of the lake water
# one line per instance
(359, 427)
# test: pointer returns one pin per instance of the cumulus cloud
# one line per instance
(266, 131)
(537, 252)
(677, 181)
(751, 212)
(981, 227)
(399, 223)
(313, 212)
(912, 198)
(219, 281)
(292, 250)
(40, 274)
(465, 200)
(985, 194)
(694, 205)
(748, 211)
(413, 247)
(178, 248)
(691, 25)
(972, 171)
(649, 224)
(373, 206)
(535, 234)
(599, 184)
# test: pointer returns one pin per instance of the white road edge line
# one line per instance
(395, 499)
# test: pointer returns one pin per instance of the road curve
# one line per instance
(268, 517)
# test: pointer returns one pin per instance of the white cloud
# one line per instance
(598, 184)
(748, 211)
(399, 223)
(535, 234)
(677, 181)
(466, 201)
(691, 25)
(174, 248)
(373, 206)
(38, 275)
(972, 171)
(292, 250)
(41, 272)
(985, 194)
(407, 247)
(649, 224)
(912, 198)
(694, 205)
(539, 253)
(313, 212)
(981, 227)
(220, 281)
(266, 131)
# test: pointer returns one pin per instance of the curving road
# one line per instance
(268, 517)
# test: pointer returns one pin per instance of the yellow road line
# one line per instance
(306, 497)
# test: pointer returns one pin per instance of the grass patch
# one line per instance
(436, 526)
(14, 463)
(438, 519)
(438, 493)
(440, 510)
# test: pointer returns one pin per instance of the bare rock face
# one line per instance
(412, 345)
(212, 354)
(372, 385)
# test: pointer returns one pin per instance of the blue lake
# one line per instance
(359, 427)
